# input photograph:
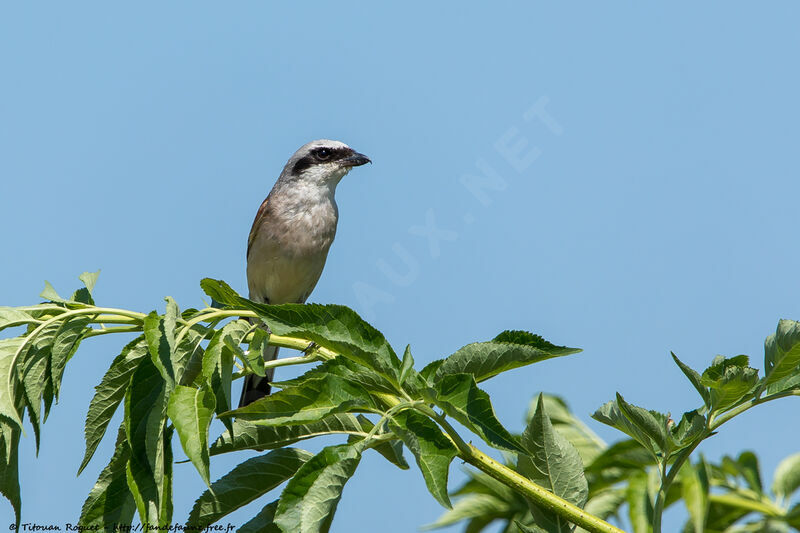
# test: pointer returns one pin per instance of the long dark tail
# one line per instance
(255, 387)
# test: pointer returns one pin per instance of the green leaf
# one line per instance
(617, 462)
(145, 416)
(218, 363)
(166, 508)
(690, 428)
(263, 521)
(9, 465)
(11, 317)
(586, 441)
(392, 450)
(651, 423)
(605, 503)
(309, 500)
(346, 369)
(694, 378)
(552, 462)
(407, 365)
(109, 393)
(782, 355)
(510, 349)
(612, 415)
(787, 477)
(8, 378)
(746, 467)
(431, 448)
(247, 481)
(472, 506)
(89, 279)
(459, 396)
(110, 502)
(640, 504)
(84, 294)
(64, 346)
(334, 327)
(310, 401)
(254, 357)
(160, 334)
(247, 435)
(694, 492)
(50, 294)
(730, 380)
(190, 410)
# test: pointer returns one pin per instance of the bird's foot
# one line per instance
(310, 348)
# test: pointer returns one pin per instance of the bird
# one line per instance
(292, 233)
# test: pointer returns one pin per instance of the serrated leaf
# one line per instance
(309, 401)
(694, 492)
(309, 501)
(11, 317)
(247, 481)
(691, 427)
(110, 502)
(254, 357)
(263, 522)
(346, 369)
(50, 294)
(432, 450)
(459, 396)
(612, 415)
(109, 393)
(509, 350)
(247, 435)
(651, 423)
(392, 450)
(694, 379)
(782, 354)
(8, 378)
(730, 381)
(552, 462)
(165, 511)
(787, 476)
(586, 441)
(218, 363)
(64, 346)
(191, 410)
(145, 416)
(9, 465)
(89, 279)
(335, 327)
(472, 506)
(159, 330)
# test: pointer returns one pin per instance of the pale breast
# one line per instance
(289, 251)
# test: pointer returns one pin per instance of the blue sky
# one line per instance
(642, 193)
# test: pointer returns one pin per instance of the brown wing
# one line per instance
(262, 212)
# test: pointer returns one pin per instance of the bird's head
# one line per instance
(322, 163)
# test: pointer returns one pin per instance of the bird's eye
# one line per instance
(323, 154)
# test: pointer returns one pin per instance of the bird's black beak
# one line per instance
(355, 160)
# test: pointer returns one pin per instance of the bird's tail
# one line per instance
(256, 387)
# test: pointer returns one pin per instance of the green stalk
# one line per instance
(519, 483)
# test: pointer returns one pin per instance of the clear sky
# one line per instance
(620, 178)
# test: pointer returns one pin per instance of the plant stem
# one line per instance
(712, 425)
(519, 483)
(535, 493)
